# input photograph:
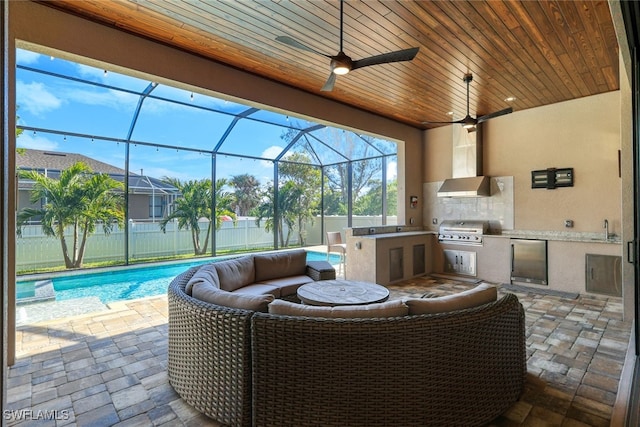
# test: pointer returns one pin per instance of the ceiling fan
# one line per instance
(341, 63)
(469, 123)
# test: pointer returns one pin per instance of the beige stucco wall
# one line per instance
(583, 134)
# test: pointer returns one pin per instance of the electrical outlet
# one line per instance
(398, 229)
(568, 223)
(434, 221)
(372, 231)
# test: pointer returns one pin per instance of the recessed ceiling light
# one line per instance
(510, 98)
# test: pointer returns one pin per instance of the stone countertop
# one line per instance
(565, 236)
(393, 235)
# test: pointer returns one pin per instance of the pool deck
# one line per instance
(44, 311)
(109, 368)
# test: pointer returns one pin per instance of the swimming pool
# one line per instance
(125, 284)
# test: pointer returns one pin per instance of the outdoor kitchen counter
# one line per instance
(395, 235)
(566, 257)
(388, 257)
(561, 236)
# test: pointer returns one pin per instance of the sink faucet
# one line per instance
(606, 229)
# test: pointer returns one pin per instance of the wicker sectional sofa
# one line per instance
(245, 367)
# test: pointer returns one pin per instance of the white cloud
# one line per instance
(25, 57)
(270, 153)
(36, 98)
(36, 142)
(107, 98)
(87, 71)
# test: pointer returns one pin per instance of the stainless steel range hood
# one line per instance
(467, 180)
(474, 186)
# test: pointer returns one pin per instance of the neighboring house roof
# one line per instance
(56, 160)
(52, 163)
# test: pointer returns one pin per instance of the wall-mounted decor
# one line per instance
(413, 202)
(552, 178)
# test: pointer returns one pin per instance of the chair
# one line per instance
(334, 244)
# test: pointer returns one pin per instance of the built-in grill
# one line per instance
(463, 232)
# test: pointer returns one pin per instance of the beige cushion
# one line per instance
(395, 308)
(259, 289)
(206, 273)
(205, 291)
(235, 273)
(288, 285)
(481, 294)
(282, 264)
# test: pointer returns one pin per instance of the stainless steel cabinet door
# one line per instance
(604, 274)
(529, 261)
(460, 262)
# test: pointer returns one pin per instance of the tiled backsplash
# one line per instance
(497, 209)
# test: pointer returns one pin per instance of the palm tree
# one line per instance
(196, 203)
(288, 202)
(224, 202)
(78, 198)
(246, 193)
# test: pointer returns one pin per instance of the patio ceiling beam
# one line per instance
(359, 160)
(147, 94)
(312, 150)
(111, 139)
(135, 92)
(346, 159)
(233, 124)
(78, 80)
(136, 113)
(296, 138)
(150, 144)
(369, 143)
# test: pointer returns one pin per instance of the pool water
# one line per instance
(25, 290)
(127, 284)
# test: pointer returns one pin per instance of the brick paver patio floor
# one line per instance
(109, 368)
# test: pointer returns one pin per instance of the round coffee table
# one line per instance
(342, 292)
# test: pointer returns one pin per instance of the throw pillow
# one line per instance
(206, 273)
(480, 295)
(235, 273)
(280, 264)
(395, 308)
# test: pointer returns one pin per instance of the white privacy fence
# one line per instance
(146, 240)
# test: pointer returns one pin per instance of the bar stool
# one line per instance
(334, 244)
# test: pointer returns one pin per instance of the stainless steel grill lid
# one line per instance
(463, 231)
(464, 226)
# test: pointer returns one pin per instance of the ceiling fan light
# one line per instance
(341, 69)
(469, 122)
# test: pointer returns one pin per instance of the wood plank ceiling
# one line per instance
(540, 52)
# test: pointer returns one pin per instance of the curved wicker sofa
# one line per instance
(244, 368)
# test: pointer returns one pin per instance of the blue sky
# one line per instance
(49, 102)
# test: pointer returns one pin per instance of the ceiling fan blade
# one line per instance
(444, 123)
(328, 86)
(397, 56)
(294, 43)
(496, 114)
